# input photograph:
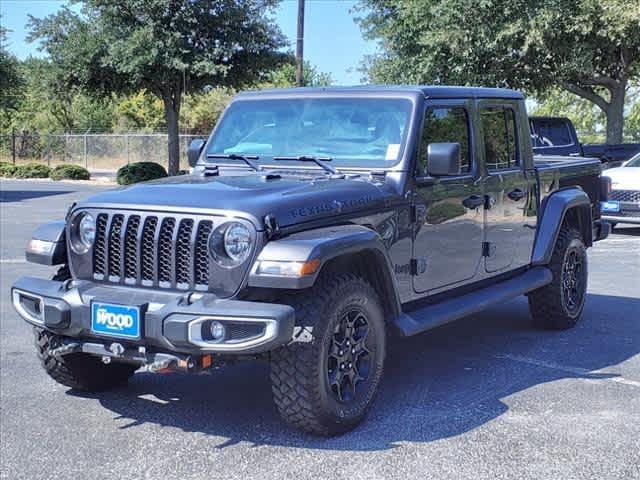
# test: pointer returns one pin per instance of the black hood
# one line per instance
(291, 200)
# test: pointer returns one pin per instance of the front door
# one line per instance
(510, 216)
(447, 249)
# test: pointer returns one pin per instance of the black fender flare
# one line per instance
(554, 210)
(323, 244)
(51, 235)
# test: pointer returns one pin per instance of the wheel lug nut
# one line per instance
(350, 364)
(341, 352)
(353, 350)
(342, 366)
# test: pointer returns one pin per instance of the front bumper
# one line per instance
(622, 218)
(629, 212)
(171, 322)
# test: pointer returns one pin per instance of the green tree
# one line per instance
(48, 104)
(632, 124)
(10, 81)
(201, 111)
(587, 47)
(285, 77)
(140, 111)
(167, 47)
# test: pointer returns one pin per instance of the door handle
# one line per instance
(516, 194)
(474, 201)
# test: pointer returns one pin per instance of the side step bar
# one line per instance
(431, 316)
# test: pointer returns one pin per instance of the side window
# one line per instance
(500, 147)
(447, 125)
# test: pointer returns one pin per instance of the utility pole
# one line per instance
(13, 145)
(299, 45)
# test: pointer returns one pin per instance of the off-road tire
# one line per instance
(303, 392)
(549, 305)
(79, 371)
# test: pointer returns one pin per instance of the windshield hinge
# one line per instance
(271, 225)
(211, 171)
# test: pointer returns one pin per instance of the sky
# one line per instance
(333, 42)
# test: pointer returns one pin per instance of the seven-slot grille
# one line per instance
(625, 195)
(152, 250)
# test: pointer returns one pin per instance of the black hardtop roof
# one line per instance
(429, 91)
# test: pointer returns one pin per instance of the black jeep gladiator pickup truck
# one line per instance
(315, 223)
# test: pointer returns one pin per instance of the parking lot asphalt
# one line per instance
(487, 397)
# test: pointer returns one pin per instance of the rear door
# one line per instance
(509, 186)
(447, 247)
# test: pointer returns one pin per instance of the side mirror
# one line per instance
(443, 159)
(193, 153)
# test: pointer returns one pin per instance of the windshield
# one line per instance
(352, 132)
(634, 162)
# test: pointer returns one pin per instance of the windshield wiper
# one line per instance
(235, 156)
(320, 161)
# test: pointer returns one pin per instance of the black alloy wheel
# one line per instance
(349, 359)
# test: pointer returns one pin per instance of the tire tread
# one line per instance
(545, 303)
(296, 396)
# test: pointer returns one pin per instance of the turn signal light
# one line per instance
(287, 269)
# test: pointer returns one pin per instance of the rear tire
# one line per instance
(79, 371)
(325, 382)
(558, 306)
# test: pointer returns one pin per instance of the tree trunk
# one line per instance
(615, 114)
(171, 115)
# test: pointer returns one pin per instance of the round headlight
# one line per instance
(87, 229)
(83, 232)
(237, 242)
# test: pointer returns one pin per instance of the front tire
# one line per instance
(558, 306)
(325, 381)
(79, 371)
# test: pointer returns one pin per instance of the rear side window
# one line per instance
(447, 125)
(499, 129)
(552, 132)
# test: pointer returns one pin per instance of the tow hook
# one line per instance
(149, 362)
(117, 349)
(66, 349)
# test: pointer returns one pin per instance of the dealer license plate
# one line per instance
(115, 320)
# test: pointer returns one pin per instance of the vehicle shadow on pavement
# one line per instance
(7, 196)
(437, 385)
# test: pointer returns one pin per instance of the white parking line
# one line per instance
(12, 260)
(573, 370)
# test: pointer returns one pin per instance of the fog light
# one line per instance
(217, 330)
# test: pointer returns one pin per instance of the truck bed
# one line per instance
(559, 172)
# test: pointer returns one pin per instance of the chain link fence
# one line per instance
(95, 151)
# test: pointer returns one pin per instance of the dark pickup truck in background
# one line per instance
(557, 136)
